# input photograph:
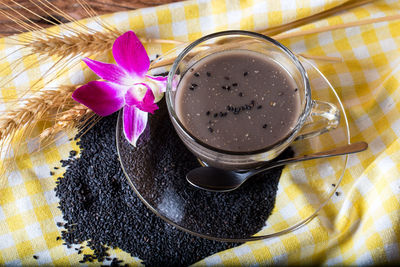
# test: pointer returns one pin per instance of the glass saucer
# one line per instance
(156, 169)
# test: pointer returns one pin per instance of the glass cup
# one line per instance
(315, 118)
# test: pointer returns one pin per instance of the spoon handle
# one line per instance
(343, 150)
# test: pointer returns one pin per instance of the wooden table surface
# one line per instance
(72, 7)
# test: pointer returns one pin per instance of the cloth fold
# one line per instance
(359, 225)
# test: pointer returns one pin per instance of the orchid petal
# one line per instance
(158, 78)
(130, 98)
(146, 104)
(175, 82)
(106, 71)
(134, 121)
(157, 85)
(129, 53)
(102, 97)
(159, 81)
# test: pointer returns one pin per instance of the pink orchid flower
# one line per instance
(127, 86)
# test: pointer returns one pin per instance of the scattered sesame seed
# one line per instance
(208, 113)
(100, 180)
(197, 74)
(215, 115)
(333, 185)
(234, 84)
(337, 193)
(296, 89)
(226, 78)
(210, 129)
(259, 107)
(240, 94)
(208, 74)
(35, 257)
(245, 73)
(265, 126)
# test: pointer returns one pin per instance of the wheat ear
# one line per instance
(45, 105)
(53, 106)
(78, 116)
(65, 48)
(78, 44)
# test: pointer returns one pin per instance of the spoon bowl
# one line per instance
(219, 180)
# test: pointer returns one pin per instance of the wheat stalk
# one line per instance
(74, 45)
(55, 106)
(46, 104)
(336, 27)
(306, 20)
(65, 49)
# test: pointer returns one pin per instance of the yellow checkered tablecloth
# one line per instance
(361, 227)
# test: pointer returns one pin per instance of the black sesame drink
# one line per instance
(238, 101)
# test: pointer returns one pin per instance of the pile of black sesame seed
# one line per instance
(101, 208)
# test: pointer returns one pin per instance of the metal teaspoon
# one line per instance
(219, 180)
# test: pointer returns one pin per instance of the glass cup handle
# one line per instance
(324, 117)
